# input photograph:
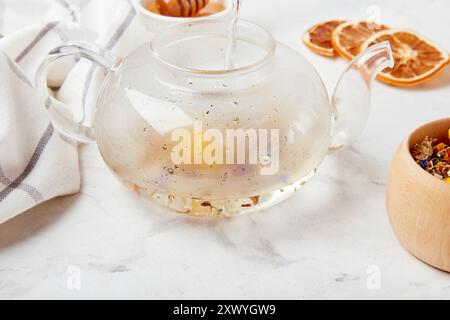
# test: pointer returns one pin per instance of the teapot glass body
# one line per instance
(181, 129)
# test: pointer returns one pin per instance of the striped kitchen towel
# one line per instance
(36, 162)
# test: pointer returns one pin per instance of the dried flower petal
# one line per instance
(433, 157)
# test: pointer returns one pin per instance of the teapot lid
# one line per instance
(182, 47)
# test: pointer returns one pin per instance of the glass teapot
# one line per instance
(180, 128)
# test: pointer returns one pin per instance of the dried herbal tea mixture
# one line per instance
(433, 156)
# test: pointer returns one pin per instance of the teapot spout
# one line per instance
(351, 97)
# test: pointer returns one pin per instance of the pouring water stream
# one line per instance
(232, 31)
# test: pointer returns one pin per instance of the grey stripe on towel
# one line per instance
(49, 26)
(32, 191)
(43, 141)
(68, 8)
(121, 29)
(17, 71)
(110, 44)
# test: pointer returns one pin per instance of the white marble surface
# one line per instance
(317, 244)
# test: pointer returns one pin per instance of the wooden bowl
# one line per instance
(418, 204)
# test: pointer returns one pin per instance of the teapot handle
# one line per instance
(351, 97)
(58, 112)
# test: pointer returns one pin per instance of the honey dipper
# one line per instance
(181, 8)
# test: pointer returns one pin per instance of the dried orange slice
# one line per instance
(416, 58)
(318, 37)
(348, 37)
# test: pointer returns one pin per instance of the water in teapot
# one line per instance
(208, 141)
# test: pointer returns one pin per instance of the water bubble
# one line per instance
(265, 159)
